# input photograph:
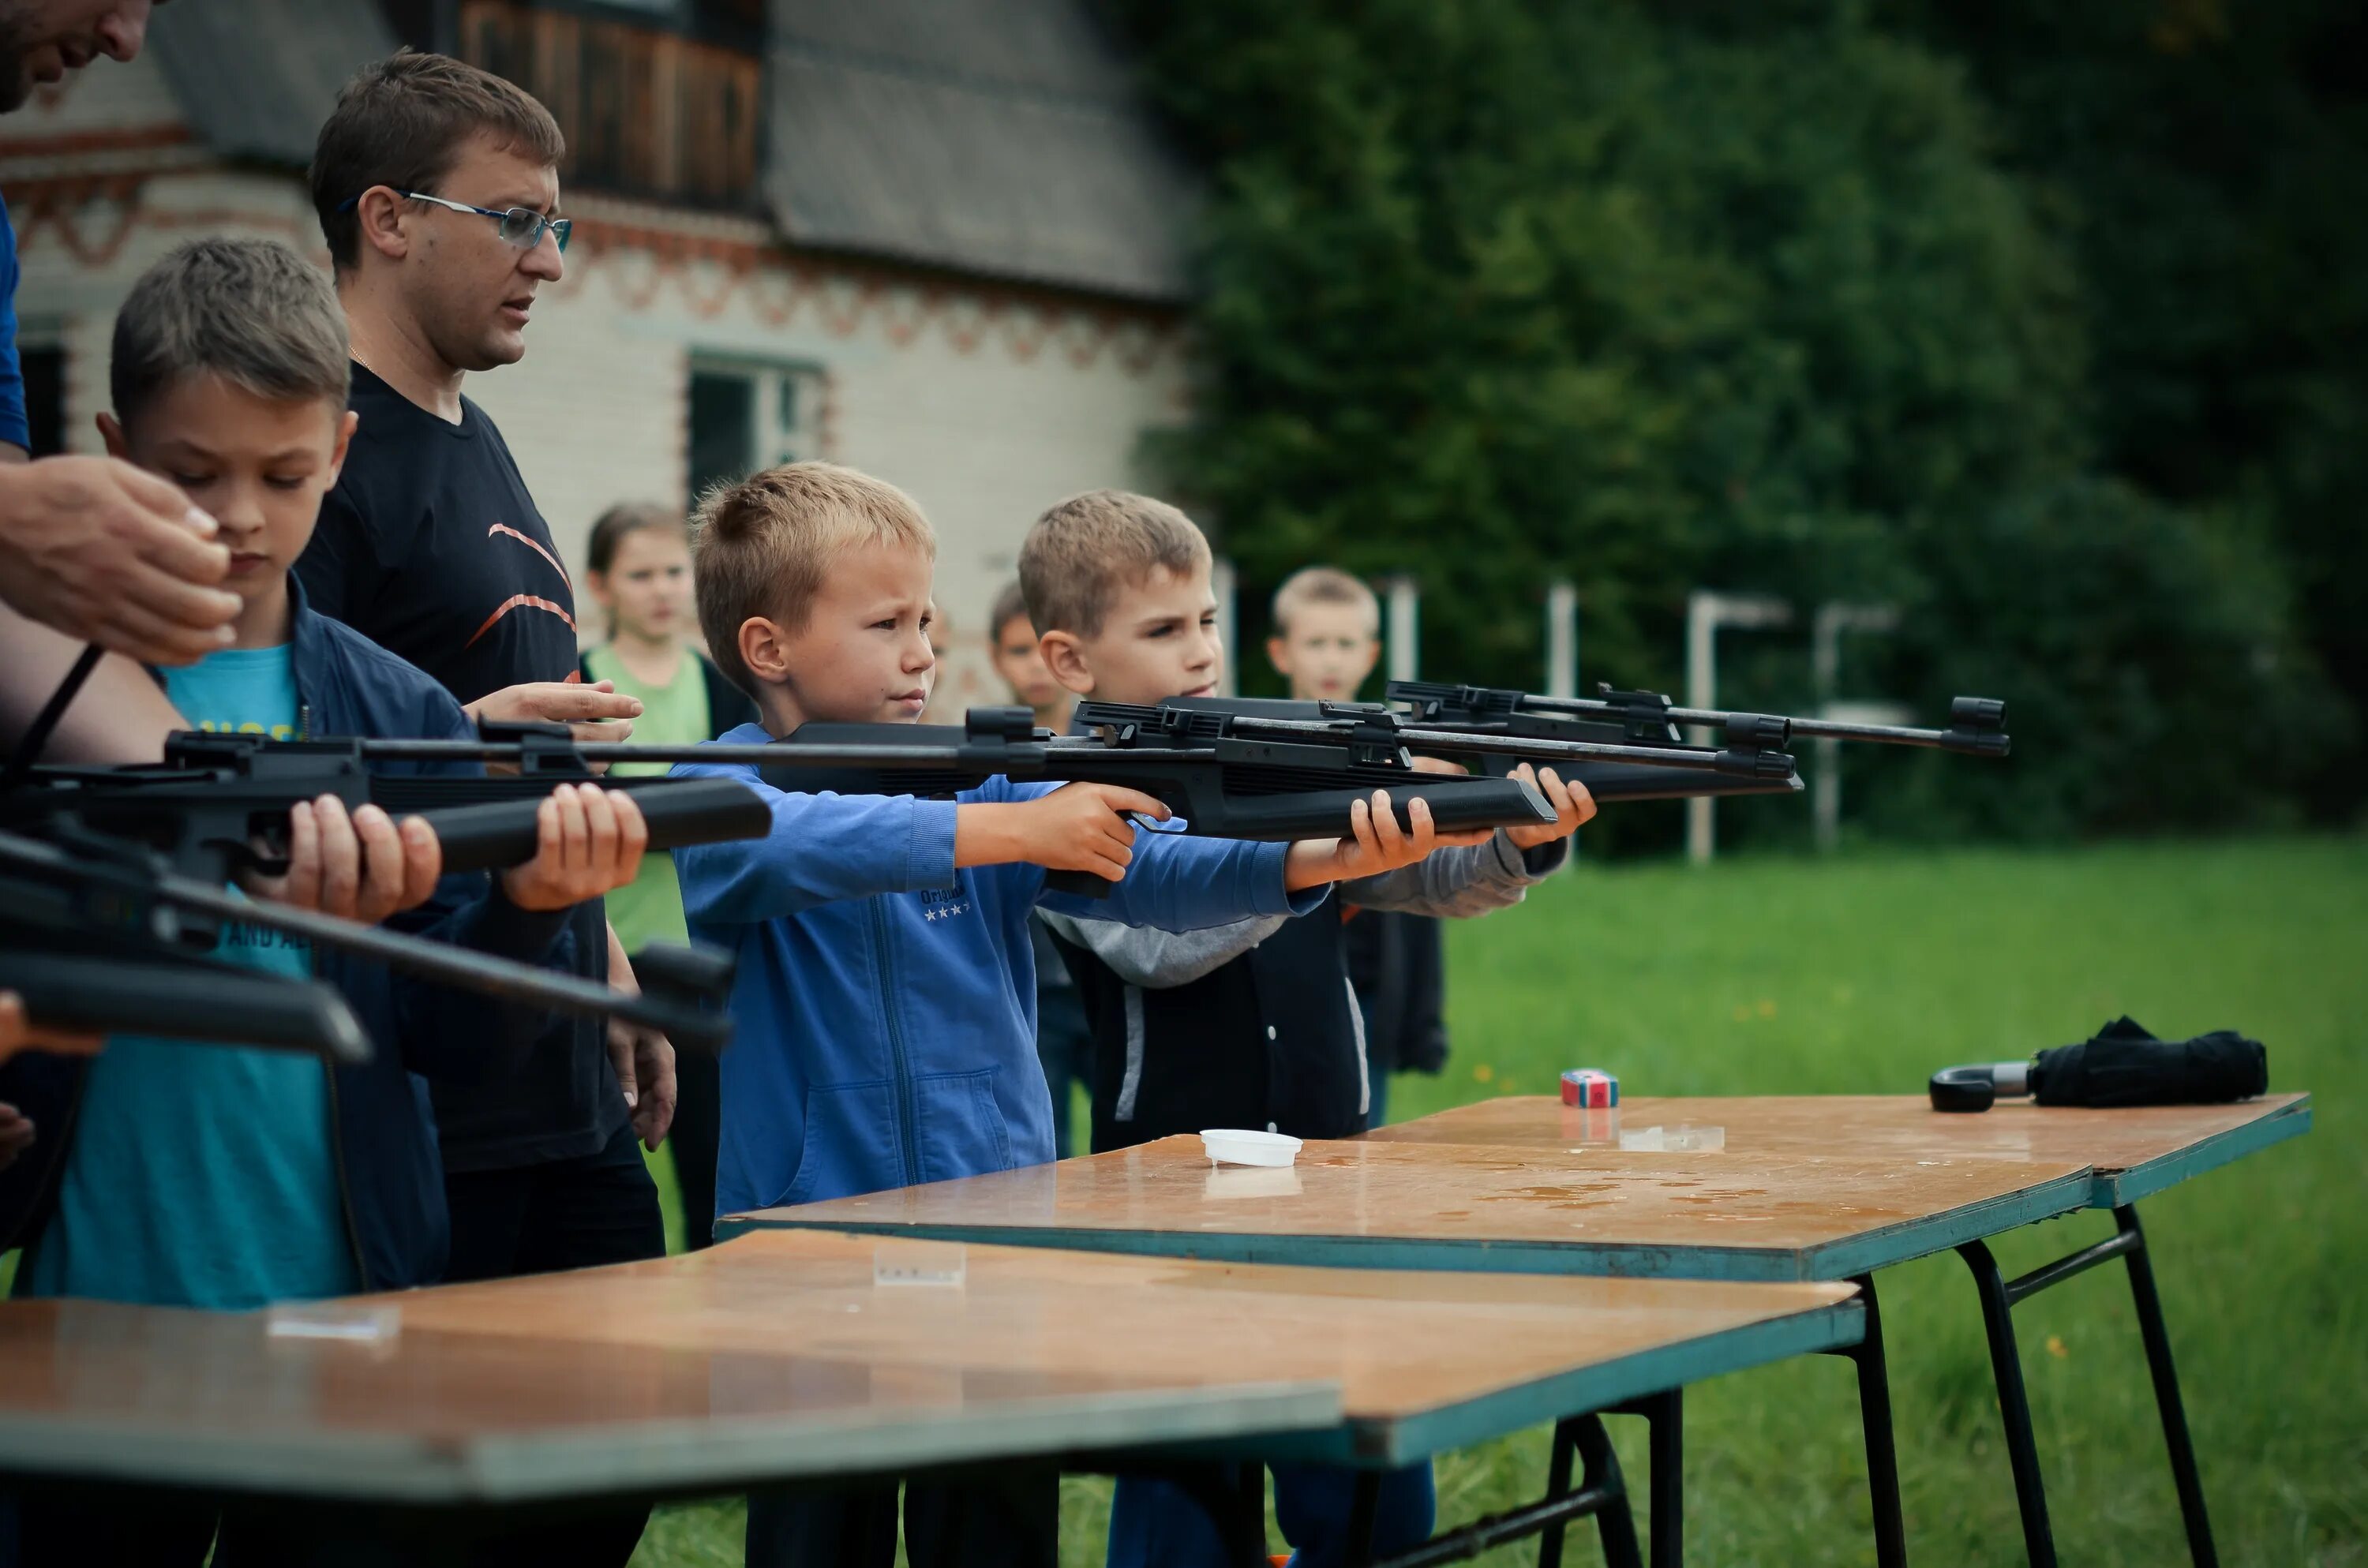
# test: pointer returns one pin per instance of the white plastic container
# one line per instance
(1239, 1146)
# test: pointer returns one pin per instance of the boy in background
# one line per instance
(638, 563)
(1326, 639)
(231, 1177)
(1063, 1044)
(886, 986)
(1251, 1025)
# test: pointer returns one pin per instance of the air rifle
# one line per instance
(1221, 789)
(1612, 768)
(1976, 725)
(98, 934)
(216, 798)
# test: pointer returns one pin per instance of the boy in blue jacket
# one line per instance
(169, 1174)
(887, 985)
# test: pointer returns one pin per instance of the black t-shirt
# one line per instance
(431, 547)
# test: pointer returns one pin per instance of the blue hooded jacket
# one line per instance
(886, 1004)
(384, 1133)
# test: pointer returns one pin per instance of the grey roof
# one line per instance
(257, 77)
(1000, 137)
(997, 137)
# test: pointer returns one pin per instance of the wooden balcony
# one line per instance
(647, 113)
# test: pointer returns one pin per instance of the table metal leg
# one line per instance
(2166, 1393)
(1665, 1416)
(1600, 1492)
(2014, 1407)
(2000, 1296)
(1357, 1549)
(1558, 1468)
(1612, 1521)
(1875, 1418)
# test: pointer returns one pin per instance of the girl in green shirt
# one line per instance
(640, 560)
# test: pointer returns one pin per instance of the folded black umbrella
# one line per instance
(2121, 1064)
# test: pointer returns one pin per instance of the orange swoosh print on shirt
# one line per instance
(514, 601)
(524, 539)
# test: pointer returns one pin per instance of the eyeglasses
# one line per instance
(520, 226)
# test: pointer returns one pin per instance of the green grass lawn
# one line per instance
(1863, 974)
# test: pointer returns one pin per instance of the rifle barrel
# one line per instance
(1986, 741)
(1517, 746)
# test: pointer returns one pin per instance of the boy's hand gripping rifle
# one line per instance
(1613, 766)
(98, 935)
(218, 804)
(1222, 788)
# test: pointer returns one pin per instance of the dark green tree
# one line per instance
(1735, 295)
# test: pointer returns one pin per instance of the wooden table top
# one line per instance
(1403, 1205)
(783, 1355)
(2134, 1152)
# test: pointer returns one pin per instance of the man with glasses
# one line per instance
(437, 190)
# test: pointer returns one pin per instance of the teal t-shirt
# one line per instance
(205, 1176)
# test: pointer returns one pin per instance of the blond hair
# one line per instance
(1324, 586)
(1085, 549)
(761, 547)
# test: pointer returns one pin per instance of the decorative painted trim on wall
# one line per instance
(707, 265)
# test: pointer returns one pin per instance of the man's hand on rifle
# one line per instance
(360, 865)
(589, 841)
(18, 1032)
(105, 554)
(1572, 804)
(1376, 844)
(597, 712)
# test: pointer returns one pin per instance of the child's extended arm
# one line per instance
(820, 848)
(1462, 883)
(1179, 883)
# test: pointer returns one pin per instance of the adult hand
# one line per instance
(359, 865)
(595, 712)
(106, 553)
(589, 840)
(644, 1058)
(1573, 808)
(18, 1032)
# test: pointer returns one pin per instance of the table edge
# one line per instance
(2116, 1185)
(629, 1458)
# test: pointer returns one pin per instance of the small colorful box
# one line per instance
(1589, 1087)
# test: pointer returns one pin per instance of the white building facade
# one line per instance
(681, 344)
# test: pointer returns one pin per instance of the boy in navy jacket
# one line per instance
(886, 985)
(231, 1177)
(1249, 1025)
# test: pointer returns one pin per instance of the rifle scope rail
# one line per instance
(1976, 725)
